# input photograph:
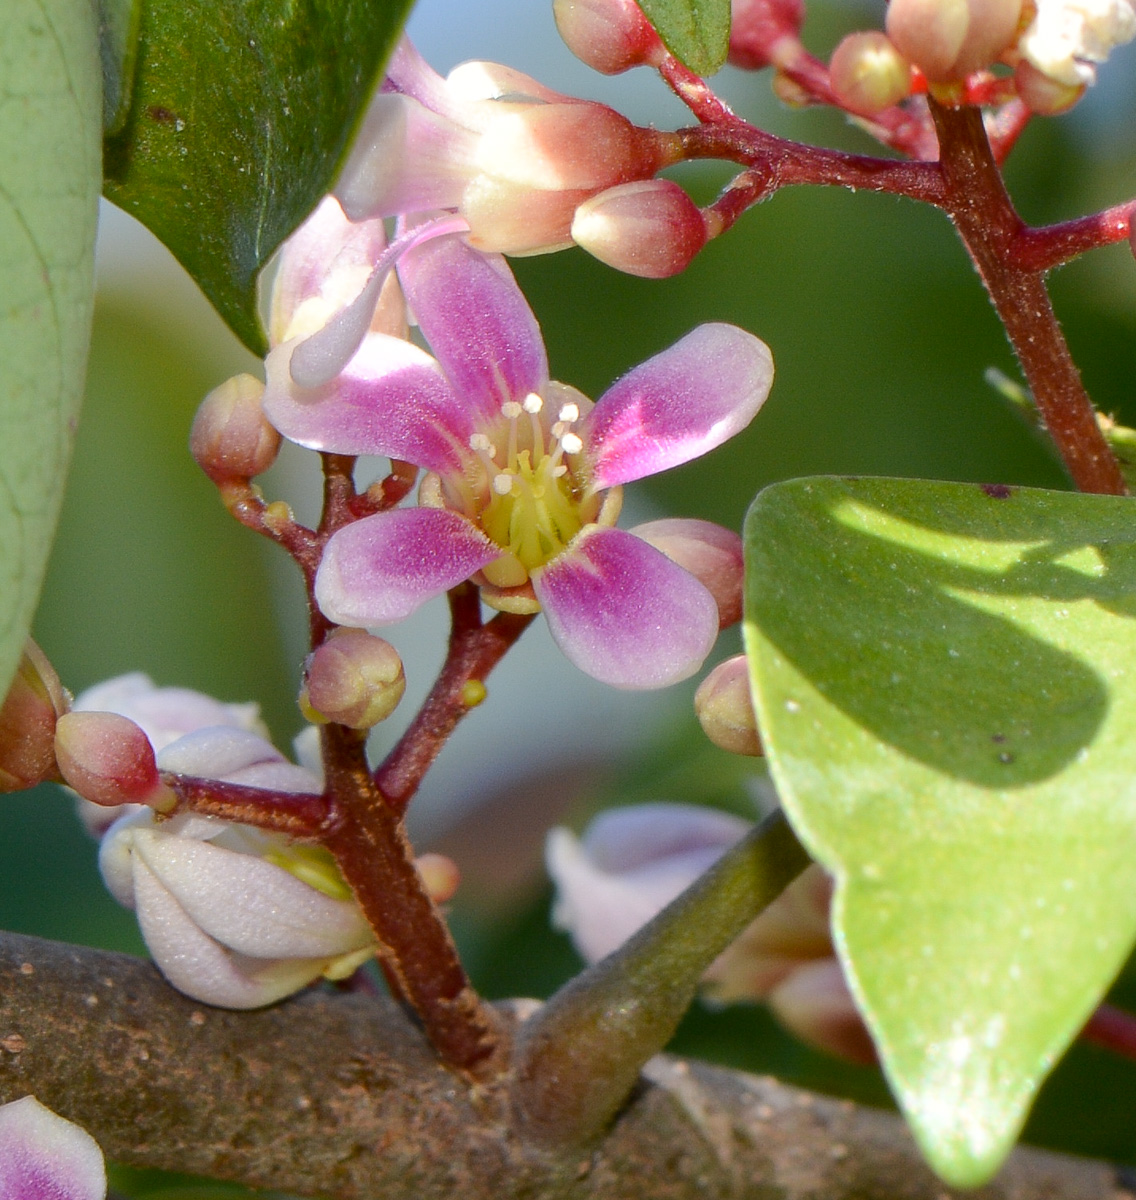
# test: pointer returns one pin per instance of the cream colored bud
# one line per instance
(353, 679)
(231, 437)
(948, 39)
(724, 708)
(868, 74)
(34, 703)
(1041, 93)
(611, 36)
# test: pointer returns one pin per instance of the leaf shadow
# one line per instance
(898, 639)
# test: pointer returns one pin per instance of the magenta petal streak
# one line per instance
(624, 613)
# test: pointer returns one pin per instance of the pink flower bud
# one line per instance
(440, 874)
(108, 760)
(868, 74)
(611, 36)
(711, 553)
(649, 228)
(758, 26)
(948, 39)
(1043, 94)
(231, 438)
(35, 701)
(724, 708)
(354, 679)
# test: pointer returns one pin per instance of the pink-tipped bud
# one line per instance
(34, 703)
(353, 679)
(649, 228)
(868, 74)
(725, 709)
(948, 39)
(440, 875)
(711, 553)
(231, 437)
(758, 27)
(1043, 95)
(611, 36)
(108, 760)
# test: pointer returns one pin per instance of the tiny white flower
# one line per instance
(1067, 37)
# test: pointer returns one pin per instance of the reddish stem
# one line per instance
(475, 648)
(298, 814)
(1042, 249)
(977, 202)
(1113, 1029)
(418, 954)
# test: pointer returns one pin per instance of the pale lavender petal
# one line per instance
(44, 1157)
(249, 904)
(409, 74)
(392, 399)
(406, 159)
(478, 323)
(216, 752)
(628, 839)
(327, 253)
(677, 405)
(202, 968)
(379, 570)
(624, 613)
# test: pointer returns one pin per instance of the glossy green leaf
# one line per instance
(945, 679)
(695, 31)
(240, 113)
(50, 128)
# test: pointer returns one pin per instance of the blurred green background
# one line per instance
(881, 337)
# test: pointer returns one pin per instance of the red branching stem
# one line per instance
(418, 954)
(694, 92)
(274, 521)
(781, 163)
(475, 648)
(1052, 245)
(296, 814)
(977, 202)
(1113, 1029)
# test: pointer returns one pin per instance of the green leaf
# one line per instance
(695, 31)
(50, 127)
(945, 679)
(119, 22)
(240, 114)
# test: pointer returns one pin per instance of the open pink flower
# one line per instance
(44, 1157)
(525, 472)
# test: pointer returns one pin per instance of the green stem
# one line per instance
(578, 1058)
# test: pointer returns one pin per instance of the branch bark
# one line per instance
(340, 1096)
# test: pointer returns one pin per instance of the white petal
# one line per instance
(44, 1157)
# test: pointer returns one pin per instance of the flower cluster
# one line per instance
(525, 473)
(632, 862)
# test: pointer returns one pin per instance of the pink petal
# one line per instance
(391, 399)
(624, 613)
(477, 322)
(379, 570)
(677, 405)
(44, 1157)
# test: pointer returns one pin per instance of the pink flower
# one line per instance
(512, 157)
(525, 475)
(44, 1157)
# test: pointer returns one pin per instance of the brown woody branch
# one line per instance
(340, 1096)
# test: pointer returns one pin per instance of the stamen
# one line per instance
(570, 412)
(571, 443)
(480, 441)
(559, 471)
(511, 409)
(503, 483)
(533, 403)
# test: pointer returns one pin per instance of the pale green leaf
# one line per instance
(50, 129)
(945, 679)
(119, 22)
(695, 31)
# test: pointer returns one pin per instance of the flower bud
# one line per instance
(354, 679)
(231, 437)
(610, 36)
(868, 74)
(35, 701)
(756, 28)
(108, 760)
(948, 39)
(724, 708)
(711, 553)
(440, 874)
(1042, 94)
(650, 228)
